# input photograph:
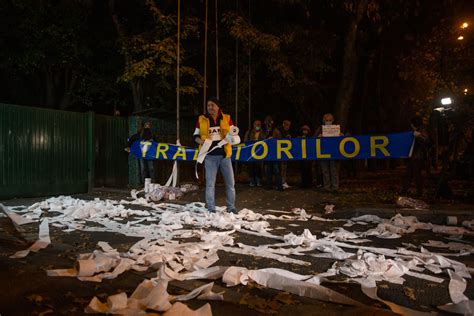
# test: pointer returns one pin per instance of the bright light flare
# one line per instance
(446, 101)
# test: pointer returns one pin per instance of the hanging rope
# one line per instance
(250, 75)
(178, 85)
(205, 59)
(236, 73)
(217, 55)
(178, 69)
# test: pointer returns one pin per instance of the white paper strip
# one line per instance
(42, 242)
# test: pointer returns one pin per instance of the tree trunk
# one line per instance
(135, 84)
(50, 88)
(361, 117)
(138, 94)
(70, 79)
(350, 66)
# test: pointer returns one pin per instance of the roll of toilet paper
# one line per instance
(86, 267)
(452, 220)
(147, 185)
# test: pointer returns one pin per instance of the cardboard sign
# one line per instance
(331, 130)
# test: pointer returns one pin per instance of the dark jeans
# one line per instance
(255, 172)
(147, 170)
(273, 169)
(306, 174)
(414, 170)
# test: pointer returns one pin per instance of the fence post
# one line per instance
(90, 150)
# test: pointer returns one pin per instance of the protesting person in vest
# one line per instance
(285, 133)
(215, 134)
(272, 167)
(306, 165)
(147, 169)
(255, 168)
(419, 157)
(329, 168)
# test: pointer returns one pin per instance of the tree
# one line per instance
(151, 53)
(350, 64)
(293, 59)
(47, 40)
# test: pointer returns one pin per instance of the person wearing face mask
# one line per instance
(273, 168)
(329, 168)
(255, 168)
(215, 127)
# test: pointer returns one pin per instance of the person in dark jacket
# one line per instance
(306, 165)
(147, 169)
(417, 161)
(285, 133)
(255, 168)
(273, 168)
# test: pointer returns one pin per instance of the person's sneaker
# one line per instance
(252, 184)
(285, 186)
(233, 211)
(259, 184)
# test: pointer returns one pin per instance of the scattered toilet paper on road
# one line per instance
(42, 242)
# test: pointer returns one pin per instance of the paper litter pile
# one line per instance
(165, 227)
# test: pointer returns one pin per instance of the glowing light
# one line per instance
(460, 38)
(446, 101)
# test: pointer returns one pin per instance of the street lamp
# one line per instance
(460, 38)
(465, 91)
(446, 101)
(464, 25)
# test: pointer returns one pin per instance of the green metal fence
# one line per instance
(49, 152)
(110, 158)
(42, 152)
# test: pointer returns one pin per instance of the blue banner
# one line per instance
(280, 149)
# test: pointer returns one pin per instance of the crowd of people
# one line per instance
(214, 126)
(275, 171)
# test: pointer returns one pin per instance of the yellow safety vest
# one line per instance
(204, 125)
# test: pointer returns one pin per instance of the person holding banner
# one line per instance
(329, 168)
(419, 157)
(285, 133)
(145, 133)
(272, 167)
(255, 168)
(306, 165)
(211, 129)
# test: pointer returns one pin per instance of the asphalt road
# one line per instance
(26, 290)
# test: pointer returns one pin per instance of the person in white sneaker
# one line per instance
(214, 126)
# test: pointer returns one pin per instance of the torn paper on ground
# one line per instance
(42, 242)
